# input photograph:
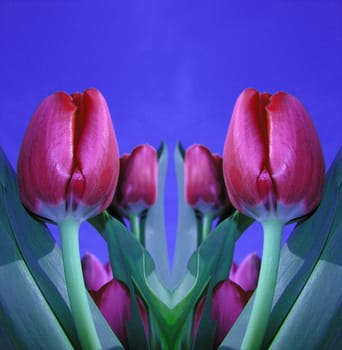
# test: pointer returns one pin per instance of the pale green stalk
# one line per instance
(69, 229)
(264, 294)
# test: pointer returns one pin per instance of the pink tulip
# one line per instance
(95, 273)
(138, 182)
(230, 297)
(113, 300)
(273, 163)
(247, 273)
(203, 180)
(69, 161)
(228, 300)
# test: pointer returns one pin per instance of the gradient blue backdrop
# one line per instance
(170, 70)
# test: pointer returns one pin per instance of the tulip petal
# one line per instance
(93, 137)
(114, 303)
(95, 274)
(247, 273)
(295, 153)
(245, 152)
(46, 157)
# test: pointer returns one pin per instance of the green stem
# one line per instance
(205, 229)
(264, 294)
(135, 227)
(78, 299)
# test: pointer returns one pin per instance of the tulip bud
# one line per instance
(203, 179)
(228, 300)
(94, 273)
(247, 273)
(273, 162)
(138, 181)
(113, 300)
(69, 161)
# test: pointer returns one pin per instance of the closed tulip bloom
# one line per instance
(273, 162)
(138, 181)
(203, 180)
(228, 300)
(113, 300)
(95, 274)
(69, 160)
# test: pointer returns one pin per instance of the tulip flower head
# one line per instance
(230, 297)
(203, 180)
(273, 163)
(69, 160)
(228, 300)
(111, 296)
(113, 300)
(138, 181)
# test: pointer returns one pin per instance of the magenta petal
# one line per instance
(94, 273)
(113, 300)
(247, 273)
(228, 300)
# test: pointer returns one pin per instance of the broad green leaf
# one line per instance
(301, 266)
(315, 319)
(186, 239)
(25, 316)
(154, 224)
(41, 257)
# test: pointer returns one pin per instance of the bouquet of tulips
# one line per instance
(70, 171)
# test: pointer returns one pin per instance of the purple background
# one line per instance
(170, 70)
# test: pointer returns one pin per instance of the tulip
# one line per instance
(273, 163)
(94, 273)
(204, 186)
(203, 180)
(69, 161)
(228, 300)
(138, 181)
(246, 274)
(137, 187)
(113, 300)
(68, 168)
(274, 170)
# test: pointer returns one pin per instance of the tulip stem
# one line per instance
(135, 227)
(205, 229)
(264, 294)
(78, 298)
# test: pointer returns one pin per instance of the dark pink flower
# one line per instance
(273, 162)
(138, 181)
(228, 300)
(203, 180)
(111, 296)
(69, 160)
(230, 296)
(113, 300)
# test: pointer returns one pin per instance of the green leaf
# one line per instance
(25, 316)
(309, 271)
(186, 239)
(34, 273)
(154, 224)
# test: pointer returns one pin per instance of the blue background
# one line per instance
(170, 70)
